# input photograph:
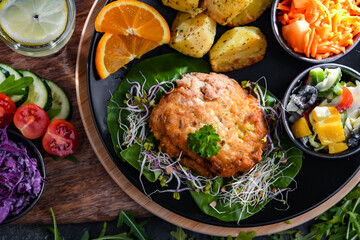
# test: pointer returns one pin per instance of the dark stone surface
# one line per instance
(155, 228)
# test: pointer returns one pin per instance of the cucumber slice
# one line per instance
(60, 103)
(38, 93)
(333, 77)
(7, 70)
(2, 77)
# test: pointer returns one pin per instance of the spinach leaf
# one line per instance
(157, 69)
(132, 155)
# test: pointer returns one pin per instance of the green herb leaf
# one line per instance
(56, 158)
(85, 236)
(121, 236)
(135, 228)
(204, 141)
(341, 222)
(103, 231)
(246, 236)
(53, 112)
(179, 234)
(10, 86)
(72, 158)
(55, 229)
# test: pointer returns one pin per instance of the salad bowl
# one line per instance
(347, 74)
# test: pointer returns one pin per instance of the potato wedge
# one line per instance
(252, 12)
(223, 11)
(189, 6)
(192, 36)
(238, 48)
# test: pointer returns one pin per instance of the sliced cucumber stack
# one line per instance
(39, 92)
(60, 104)
(7, 70)
(44, 93)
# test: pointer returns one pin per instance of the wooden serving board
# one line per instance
(81, 192)
(125, 184)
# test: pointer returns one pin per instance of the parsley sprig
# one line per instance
(204, 141)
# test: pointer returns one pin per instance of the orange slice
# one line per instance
(130, 17)
(114, 51)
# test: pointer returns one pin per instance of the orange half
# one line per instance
(115, 51)
(130, 17)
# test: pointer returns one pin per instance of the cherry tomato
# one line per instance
(346, 100)
(7, 110)
(31, 120)
(60, 139)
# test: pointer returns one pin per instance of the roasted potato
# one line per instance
(192, 36)
(189, 6)
(238, 48)
(223, 11)
(252, 12)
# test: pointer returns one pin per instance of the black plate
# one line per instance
(318, 180)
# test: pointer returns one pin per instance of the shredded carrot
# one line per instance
(331, 27)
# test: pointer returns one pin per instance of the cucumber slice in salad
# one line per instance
(39, 92)
(333, 77)
(7, 71)
(2, 77)
(60, 103)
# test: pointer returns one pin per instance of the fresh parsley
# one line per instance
(204, 141)
(10, 86)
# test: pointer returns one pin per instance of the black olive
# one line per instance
(353, 139)
(305, 97)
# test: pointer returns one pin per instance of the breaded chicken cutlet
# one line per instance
(211, 99)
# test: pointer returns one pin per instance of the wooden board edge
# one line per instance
(138, 196)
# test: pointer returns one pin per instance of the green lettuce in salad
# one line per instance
(228, 199)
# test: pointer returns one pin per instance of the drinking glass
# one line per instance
(50, 47)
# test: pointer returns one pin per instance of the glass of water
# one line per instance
(36, 27)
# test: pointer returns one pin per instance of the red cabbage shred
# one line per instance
(20, 179)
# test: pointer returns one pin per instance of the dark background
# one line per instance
(155, 228)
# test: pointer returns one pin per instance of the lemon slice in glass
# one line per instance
(33, 22)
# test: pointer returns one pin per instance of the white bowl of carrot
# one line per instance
(316, 31)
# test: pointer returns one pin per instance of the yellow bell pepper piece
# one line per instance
(329, 114)
(300, 128)
(337, 147)
(330, 132)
